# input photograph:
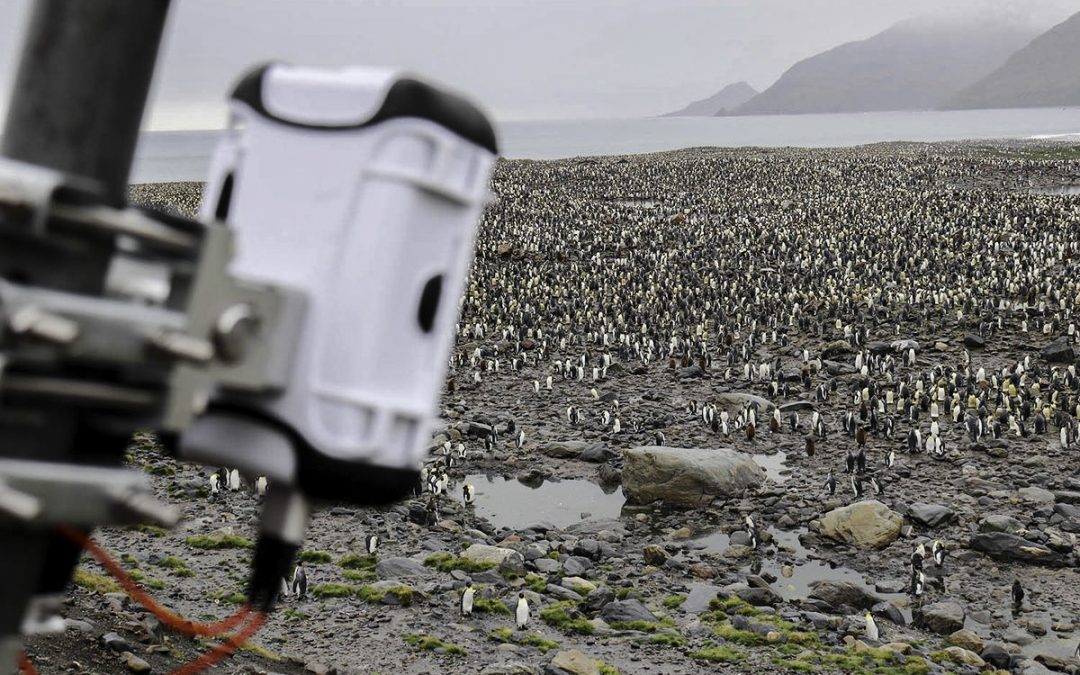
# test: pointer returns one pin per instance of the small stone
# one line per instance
(135, 664)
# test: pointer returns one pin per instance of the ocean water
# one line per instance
(185, 155)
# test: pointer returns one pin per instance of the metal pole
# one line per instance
(81, 87)
(78, 101)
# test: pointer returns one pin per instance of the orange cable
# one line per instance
(171, 619)
(225, 649)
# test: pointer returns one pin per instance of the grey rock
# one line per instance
(760, 597)
(509, 668)
(930, 515)
(598, 598)
(392, 568)
(1059, 351)
(686, 476)
(973, 341)
(626, 610)
(942, 618)
(1009, 547)
(576, 566)
(841, 593)
(115, 643)
(572, 662)
(1001, 523)
(564, 449)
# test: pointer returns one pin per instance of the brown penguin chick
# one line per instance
(860, 436)
(811, 446)
(671, 363)
(750, 431)
(774, 426)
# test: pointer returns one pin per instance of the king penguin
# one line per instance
(871, 628)
(371, 543)
(299, 581)
(468, 493)
(1017, 594)
(467, 600)
(521, 613)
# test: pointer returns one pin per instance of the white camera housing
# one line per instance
(360, 188)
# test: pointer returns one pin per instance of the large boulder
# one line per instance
(572, 662)
(741, 398)
(1058, 351)
(1001, 523)
(868, 525)
(622, 611)
(930, 515)
(686, 476)
(1009, 547)
(493, 555)
(393, 568)
(843, 593)
(565, 449)
(943, 618)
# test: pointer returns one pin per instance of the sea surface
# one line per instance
(185, 155)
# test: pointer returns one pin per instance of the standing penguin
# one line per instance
(467, 600)
(234, 480)
(810, 446)
(371, 543)
(938, 551)
(299, 581)
(830, 483)
(871, 628)
(468, 494)
(215, 480)
(520, 439)
(752, 530)
(521, 613)
(1017, 595)
(659, 439)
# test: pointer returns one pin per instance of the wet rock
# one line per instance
(943, 618)
(868, 525)
(1000, 523)
(930, 515)
(964, 656)
(509, 668)
(760, 596)
(597, 453)
(655, 555)
(1036, 495)
(135, 664)
(626, 610)
(115, 643)
(691, 372)
(890, 612)
(686, 476)
(392, 568)
(1058, 351)
(572, 662)
(565, 449)
(997, 656)
(493, 555)
(843, 593)
(973, 341)
(598, 598)
(1009, 547)
(966, 639)
(836, 348)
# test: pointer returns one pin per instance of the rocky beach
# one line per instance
(720, 408)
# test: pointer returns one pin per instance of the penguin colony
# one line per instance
(907, 335)
(906, 318)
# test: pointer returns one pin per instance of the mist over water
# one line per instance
(185, 155)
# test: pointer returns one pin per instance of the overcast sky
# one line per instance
(523, 59)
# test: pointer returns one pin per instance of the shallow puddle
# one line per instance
(507, 502)
(776, 469)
